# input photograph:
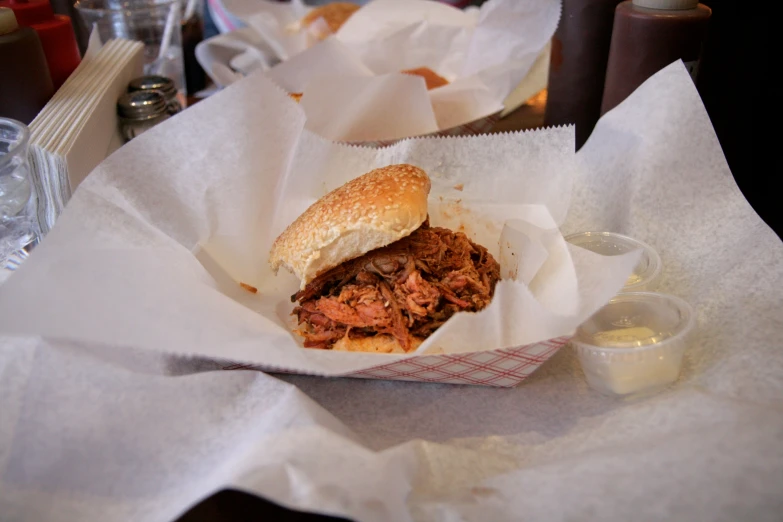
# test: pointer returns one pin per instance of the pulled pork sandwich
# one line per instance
(375, 276)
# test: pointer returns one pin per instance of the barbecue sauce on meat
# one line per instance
(406, 289)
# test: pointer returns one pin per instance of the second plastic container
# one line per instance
(646, 274)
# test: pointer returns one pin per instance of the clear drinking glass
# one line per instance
(18, 221)
(156, 23)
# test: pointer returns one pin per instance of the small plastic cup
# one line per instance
(155, 23)
(634, 345)
(646, 274)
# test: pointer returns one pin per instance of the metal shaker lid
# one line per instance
(141, 105)
(154, 82)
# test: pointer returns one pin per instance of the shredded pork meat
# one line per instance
(407, 289)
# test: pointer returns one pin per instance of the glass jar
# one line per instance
(18, 221)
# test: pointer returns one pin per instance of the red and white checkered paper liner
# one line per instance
(480, 126)
(501, 368)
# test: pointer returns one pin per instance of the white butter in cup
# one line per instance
(646, 274)
(635, 344)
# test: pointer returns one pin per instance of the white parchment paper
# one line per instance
(227, 58)
(484, 54)
(178, 218)
(97, 431)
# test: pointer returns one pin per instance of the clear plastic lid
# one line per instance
(637, 320)
(646, 274)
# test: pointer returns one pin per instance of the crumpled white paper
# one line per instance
(92, 432)
(277, 23)
(190, 216)
(227, 58)
(484, 54)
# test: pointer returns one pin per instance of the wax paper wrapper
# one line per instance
(227, 58)
(96, 431)
(206, 211)
(351, 83)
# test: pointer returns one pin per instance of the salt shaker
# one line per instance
(158, 83)
(192, 35)
(140, 111)
(54, 31)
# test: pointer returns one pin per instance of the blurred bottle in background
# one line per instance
(25, 81)
(647, 36)
(192, 34)
(55, 32)
(80, 30)
(577, 65)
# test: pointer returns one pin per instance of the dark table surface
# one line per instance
(230, 505)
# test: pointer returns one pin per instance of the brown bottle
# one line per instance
(192, 35)
(647, 36)
(577, 65)
(25, 82)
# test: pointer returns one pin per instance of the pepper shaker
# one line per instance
(139, 111)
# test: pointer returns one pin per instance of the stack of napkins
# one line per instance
(78, 128)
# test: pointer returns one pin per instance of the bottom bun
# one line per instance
(375, 344)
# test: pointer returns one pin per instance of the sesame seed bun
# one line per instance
(431, 78)
(334, 14)
(369, 212)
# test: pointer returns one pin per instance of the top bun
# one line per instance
(334, 14)
(369, 212)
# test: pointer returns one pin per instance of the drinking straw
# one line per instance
(164, 45)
